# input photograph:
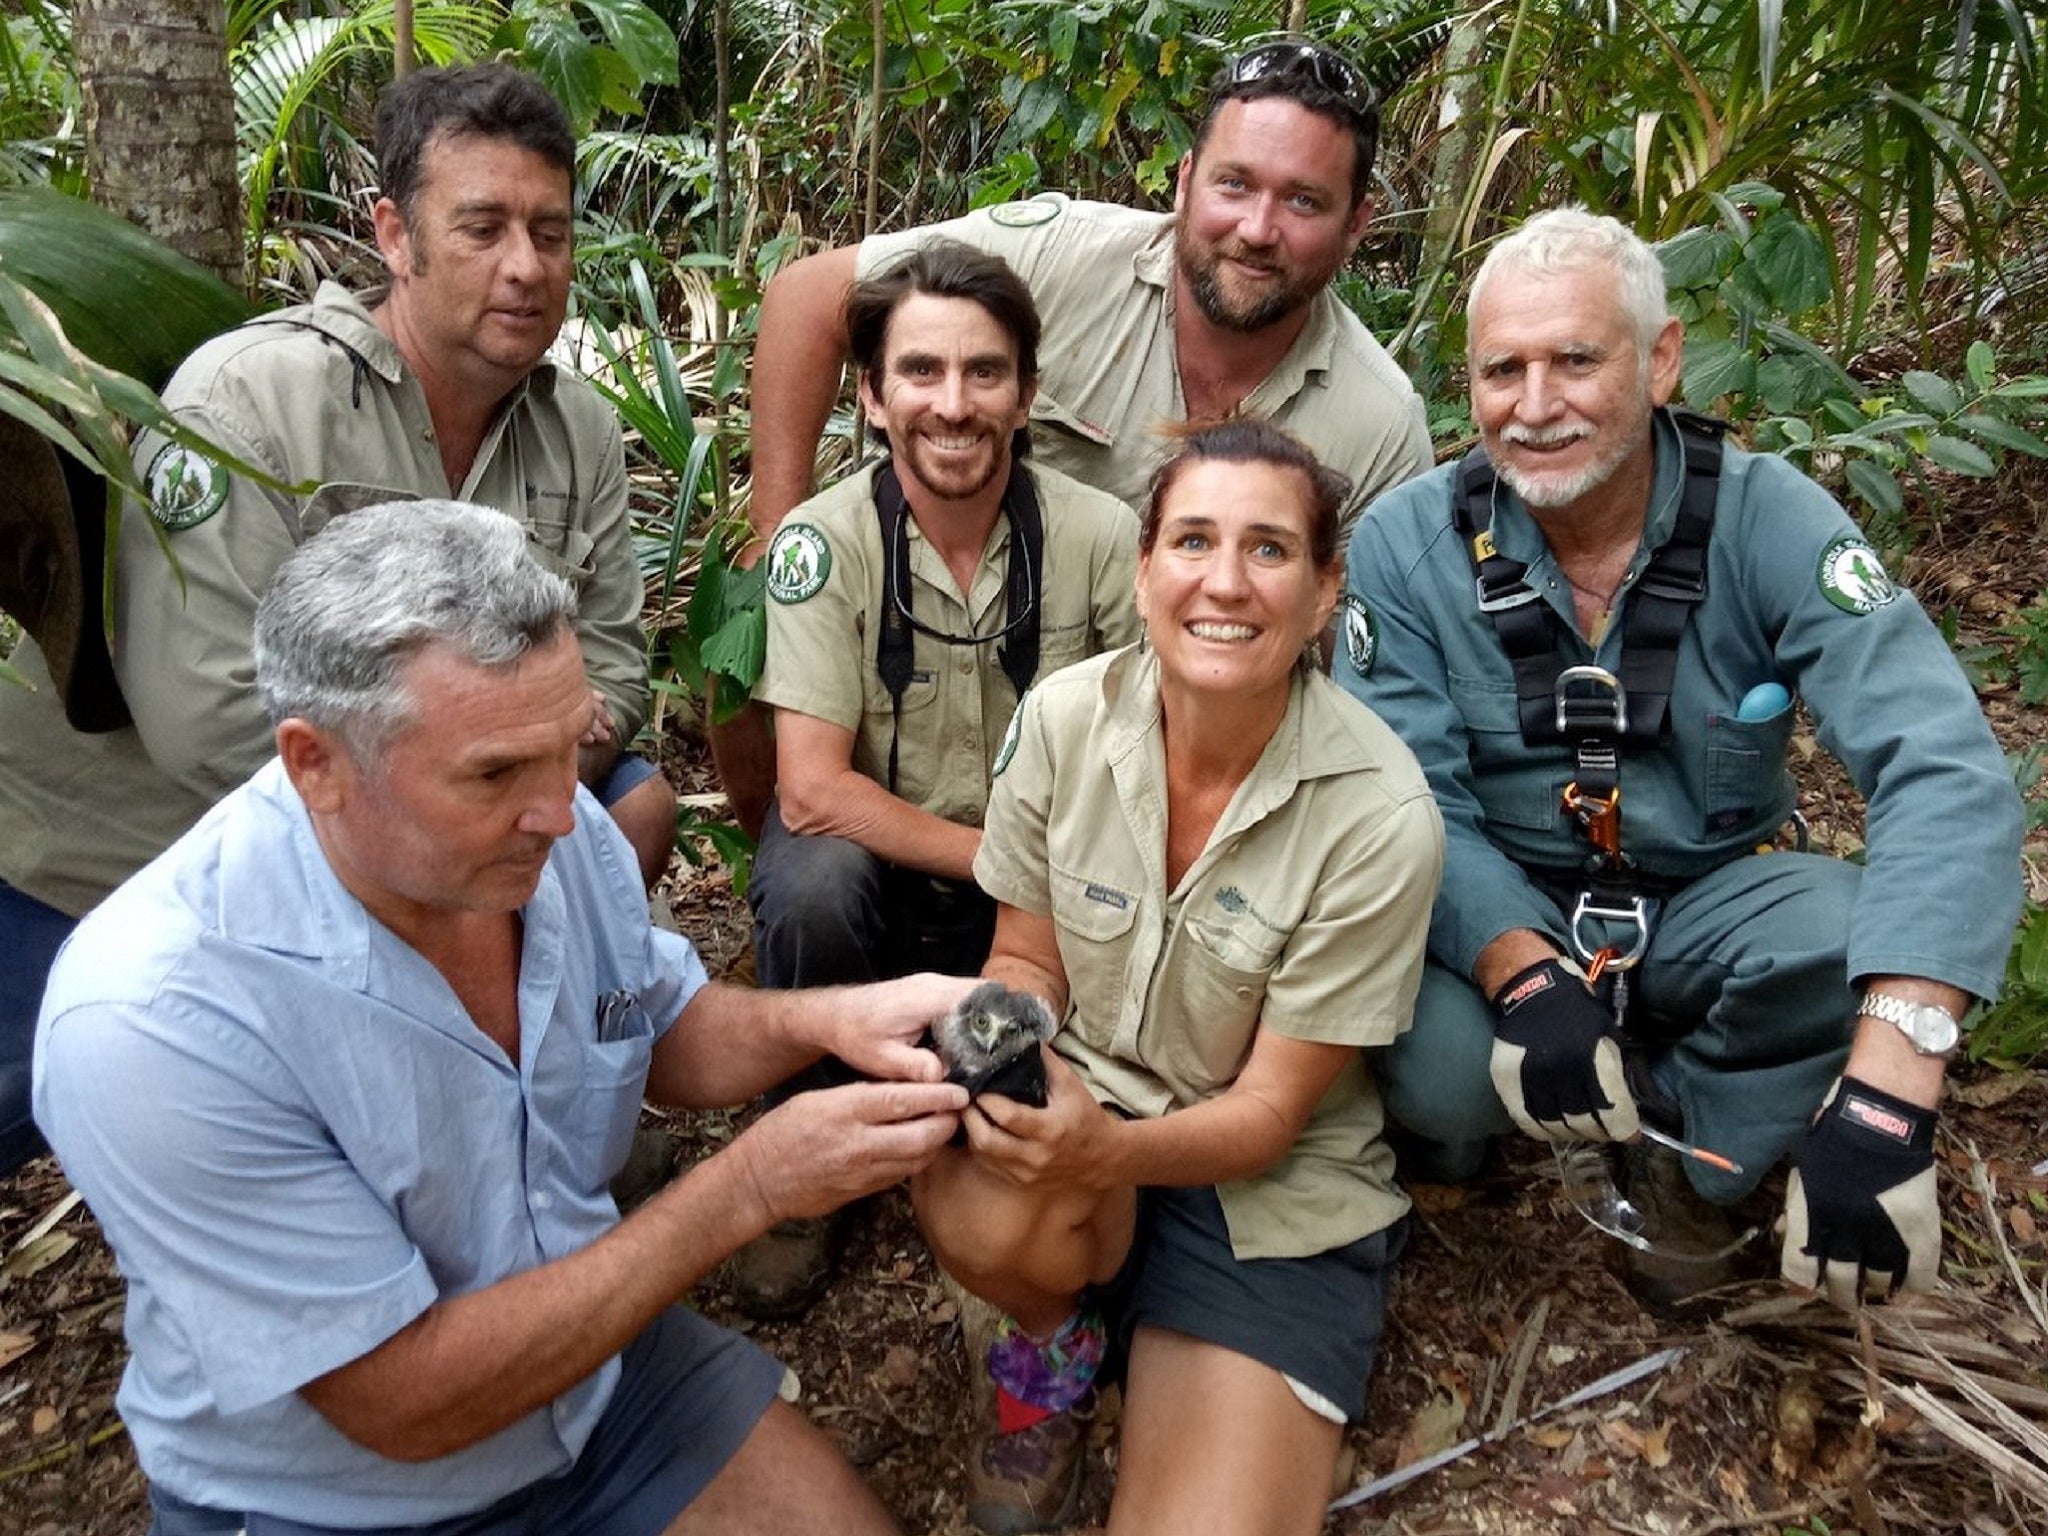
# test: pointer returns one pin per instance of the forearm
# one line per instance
(798, 355)
(848, 804)
(473, 1365)
(734, 1043)
(1235, 1135)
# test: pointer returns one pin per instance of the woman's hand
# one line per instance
(1066, 1144)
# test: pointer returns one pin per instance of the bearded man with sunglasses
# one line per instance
(909, 607)
(1152, 318)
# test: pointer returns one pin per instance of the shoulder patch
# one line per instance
(798, 562)
(1361, 635)
(1024, 215)
(1011, 732)
(1853, 578)
(185, 487)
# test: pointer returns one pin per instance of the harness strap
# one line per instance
(1589, 710)
(1658, 607)
(895, 645)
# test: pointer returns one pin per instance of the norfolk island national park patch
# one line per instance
(1008, 749)
(1853, 578)
(1024, 215)
(798, 562)
(1361, 635)
(185, 487)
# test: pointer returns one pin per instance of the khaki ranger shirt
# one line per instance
(313, 393)
(1109, 376)
(825, 593)
(1306, 913)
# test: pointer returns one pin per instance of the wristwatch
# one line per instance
(1932, 1031)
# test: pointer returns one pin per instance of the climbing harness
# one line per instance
(1593, 712)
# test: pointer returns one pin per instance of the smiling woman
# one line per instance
(1219, 874)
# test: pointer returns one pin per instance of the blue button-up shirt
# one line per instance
(297, 1142)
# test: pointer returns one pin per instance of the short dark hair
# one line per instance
(944, 269)
(488, 101)
(1252, 440)
(1302, 87)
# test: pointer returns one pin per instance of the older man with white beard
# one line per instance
(1591, 633)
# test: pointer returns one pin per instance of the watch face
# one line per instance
(1932, 1030)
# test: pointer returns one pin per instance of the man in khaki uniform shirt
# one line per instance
(440, 387)
(1150, 318)
(1002, 572)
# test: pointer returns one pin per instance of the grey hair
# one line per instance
(1568, 239)
(356, 602)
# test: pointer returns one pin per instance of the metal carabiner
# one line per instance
(1613, 707)
(1635, 913)
(1601, 818)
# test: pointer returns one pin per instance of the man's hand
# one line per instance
(1557, 1057)
(815, 1152)
(1044, 1149)
(1861, 1217)
(878, 1029)
(598, 747)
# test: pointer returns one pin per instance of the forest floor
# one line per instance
(1778, 1418)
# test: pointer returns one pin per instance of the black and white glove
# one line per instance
(1861, 1217)
(1557, 1061)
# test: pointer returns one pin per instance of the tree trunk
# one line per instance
(160, 123)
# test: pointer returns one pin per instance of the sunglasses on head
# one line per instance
(1306, 61)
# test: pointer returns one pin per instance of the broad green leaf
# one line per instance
(2002, 433)
(1962, 457)
(1931, 392)
(1875, 487)
(736, 652)
(122, 297)
(1695, 258)
(1717, 368)
(1980, 363)
(642, 38)
(1791, 264)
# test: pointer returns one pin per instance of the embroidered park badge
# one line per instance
(1853, 579)
(798, 562)
(1025, 214)
(1008, 749)
(185, 488)
(1361, 635)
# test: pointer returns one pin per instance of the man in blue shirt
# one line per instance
(345, 1071)
(1592, 639)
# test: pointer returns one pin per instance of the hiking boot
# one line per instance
(782, 1273)
(1692, 1241)
(647, 1167)
(1030, 1479)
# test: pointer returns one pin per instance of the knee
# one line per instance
(647, 815)
(810, 881)
(1435, 1079)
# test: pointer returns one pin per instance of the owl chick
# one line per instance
(988, 1029)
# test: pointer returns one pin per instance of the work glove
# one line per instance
(1557, 1061)
(1861, 1217)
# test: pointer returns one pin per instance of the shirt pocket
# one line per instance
(1515, 786)
(1745, 768)
(1206, 1036)
(614, 1082)
(1095, 922)
(563, 549)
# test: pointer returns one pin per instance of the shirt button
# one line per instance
(966, 666)
(543, 1200)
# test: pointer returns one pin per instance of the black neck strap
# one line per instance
(1016, 644)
